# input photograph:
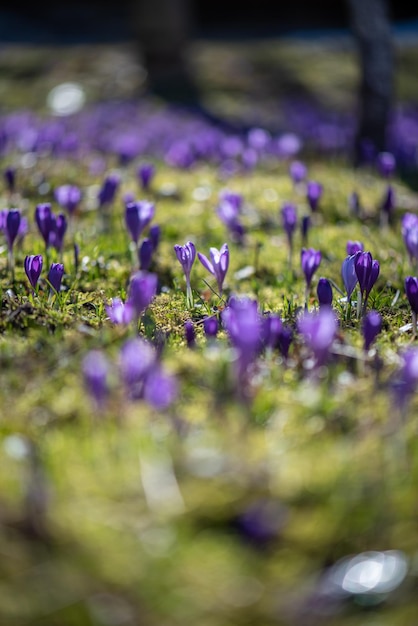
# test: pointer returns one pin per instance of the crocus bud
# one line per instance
(371, 327)
(10, 178)
(310, 261)
(318, 330)
(189, 334)
(353, 247)
(354, 204)
(348, 273)
(57, 232)
(33, 268)
(108, 190)
(324, 292)
(137, 216)
(411, 290)
(12, 226)
(154, 235)
(44, 220)
(289, 220)
(313, 194)
(96, 370)
(297, 171)
(160, 389)
(410, 234)
(55, 274)
(145, 254)
(210, 326)
(146, 173)
(142, 289)
(386, 164)
(305, 225)
(68, 197)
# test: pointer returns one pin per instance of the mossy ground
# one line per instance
(83, 540)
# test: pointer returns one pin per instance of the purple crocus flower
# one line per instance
(228, 214)
(142, 289)
(354, 204)
(298, 171)
(108, 189)
(33, 268)
(367, 271)
(119, 312)
(96, 371)
(186, 256)
(318, 330)
(406, 379)
(137, 358)
(371, 327)
(210, 326)
(348, 273)
(324, 292)
(386, 164)
(161, 389)
(44, 220)
(68, 197)
(154, 235)
(244, 326)
(284, 340)
(313, 194)
(305, 225)
(145, 254)
(289, 221)
(12, 227)
(411, 290)
(310, 260)
(10, 178)
(146, 173)
(410, 234)
(388, 203)
(233, 198)
(137, 216)
(189, 334)
(55, 274)
(57, 232)
(353, 247)
(218, 265)
(272, 327)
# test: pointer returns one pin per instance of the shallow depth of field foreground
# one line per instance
(208, 353)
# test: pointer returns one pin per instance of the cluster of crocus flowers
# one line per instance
(138, 215)
(140, 372)
(51, 227)
(143, 375)
(367, 271)
(33, 268)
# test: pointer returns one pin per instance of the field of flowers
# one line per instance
(208, 365)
